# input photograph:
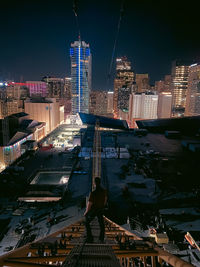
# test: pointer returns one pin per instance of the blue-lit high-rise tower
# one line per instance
(81, 61)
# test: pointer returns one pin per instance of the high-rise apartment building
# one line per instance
(193, 93)
(180, 71)
(124, 79)
(142, 81)
(98, 102)
(143, 106)
(164, 105)
(81, 61)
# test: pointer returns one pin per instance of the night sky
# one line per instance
(36, 36)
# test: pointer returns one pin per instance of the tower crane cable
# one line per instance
(75, 10)
(115, 42)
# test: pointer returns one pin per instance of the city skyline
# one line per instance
(37, 37)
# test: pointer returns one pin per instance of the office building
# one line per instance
(110, 95)
(142, 81)
(163, 85)
(37, 88)
(68, 88)
(167, 83)
(81, 62)
(193, 93)
(123, 97)
(55, 87)
(180, 71)
(164, 105)
(124, 79)
(98, 102)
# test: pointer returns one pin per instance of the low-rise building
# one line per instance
(14, 131)
(45, 110)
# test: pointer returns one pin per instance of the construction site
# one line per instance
(145, 225)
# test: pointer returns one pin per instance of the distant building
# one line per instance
(124, 79)
(142, 106)
(98, 102)
(16, 91)
(164, 105)
(13, 91)
(180, 72)
(9, 107)
(37, 88)
(193, 92)
(168, 83)
(66, 100)
(123, 114)
(81, 66)
(159, 86)
(142, 81)
(110, 96)
(163, 85)
(123, 98)
(55, 87)
(45, 110)
(68, 88)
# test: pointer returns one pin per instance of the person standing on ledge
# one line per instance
(95, 207)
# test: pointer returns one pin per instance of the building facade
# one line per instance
(142, 106)
(98, 102)
(124, 79)
(47, 111)
(55, 87)
(37, 88)
(164, 105)
(180, 72)
(142, 81)
(81, 67)
(193, 92)
(9, 107)
(110, 95)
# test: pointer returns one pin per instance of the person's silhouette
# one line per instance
(95, 206)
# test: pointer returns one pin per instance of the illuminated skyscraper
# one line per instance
(180, 71)
(81, 61)
(123, 83)
(193, 93)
